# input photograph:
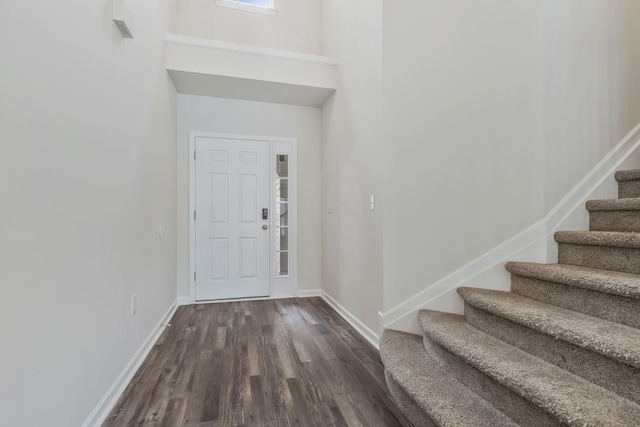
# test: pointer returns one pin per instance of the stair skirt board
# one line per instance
(535, 243)
(561, 348)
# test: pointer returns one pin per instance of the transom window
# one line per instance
(259, 6)
(261, 3)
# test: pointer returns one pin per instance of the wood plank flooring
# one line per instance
(291, 362)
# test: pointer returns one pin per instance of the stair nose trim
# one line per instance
(574, 400)
(629, 204)
(618, 239)
(601, 336)
(604, 281)
(627, 175)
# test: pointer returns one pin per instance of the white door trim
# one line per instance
(277, 286)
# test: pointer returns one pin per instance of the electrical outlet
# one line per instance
(134, 304)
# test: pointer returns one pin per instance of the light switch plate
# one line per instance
(134, 304)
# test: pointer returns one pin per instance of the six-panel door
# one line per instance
(232, 238)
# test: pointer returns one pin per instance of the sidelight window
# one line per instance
(282, 214)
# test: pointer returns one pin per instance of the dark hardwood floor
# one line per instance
(292, 362)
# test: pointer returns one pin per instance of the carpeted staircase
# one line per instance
(562, 348)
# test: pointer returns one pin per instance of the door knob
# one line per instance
(265, 226)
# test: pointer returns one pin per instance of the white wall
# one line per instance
(591, 71)
(463, 158)
(296, 27)
(352, 166)
(87, 178)
(197, 113)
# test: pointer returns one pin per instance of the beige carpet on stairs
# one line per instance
(561, 349)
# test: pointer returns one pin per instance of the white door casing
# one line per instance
(232, 237)
(278, 285)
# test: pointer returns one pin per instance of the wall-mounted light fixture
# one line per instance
(123, 18)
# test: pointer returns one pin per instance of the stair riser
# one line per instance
(614, 221)
(408, 407)
(628, 189)
(605, 306)
(519, 409)
(608, 373)
(626, 260)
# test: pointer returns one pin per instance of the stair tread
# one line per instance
(606, 281)
(446, 400)
(601, 336)
(629, 204)
(627, 175)
(620, 239)
(572, 399)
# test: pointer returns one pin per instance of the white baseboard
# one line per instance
(108, 401)
(184, 300)
(310, 293)
(362, 329)
(533, 244)
(529, 241)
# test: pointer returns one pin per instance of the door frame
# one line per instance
(279, 287)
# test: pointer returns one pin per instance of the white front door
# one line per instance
(231, 233)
